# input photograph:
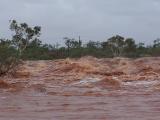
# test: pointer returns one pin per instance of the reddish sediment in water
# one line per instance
(83, 89)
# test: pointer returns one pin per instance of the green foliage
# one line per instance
(23, 34)
(116, 46)
(11, 51)
(72, 44)
(130, 48)
(25, 44)
(8, 56)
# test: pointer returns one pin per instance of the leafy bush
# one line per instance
(11, 51)
(8, 56)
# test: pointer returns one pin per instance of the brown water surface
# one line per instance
(49, 95)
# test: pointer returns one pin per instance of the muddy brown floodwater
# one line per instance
(82, 89)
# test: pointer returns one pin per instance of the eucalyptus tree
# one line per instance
(116, 45)
(12, 50)
(23, 34)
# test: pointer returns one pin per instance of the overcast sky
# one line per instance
(91, 19)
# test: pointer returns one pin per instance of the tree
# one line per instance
(23, 34)
(72, 44)
(93, 45)
(35, 43)
(156, 43)
(11, 50)
(7, 56)
(156, 47)
(105, 45)
(130, 47)
(116, 44)
(141, 49)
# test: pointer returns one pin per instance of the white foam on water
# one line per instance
(145, 83)
(87, 81)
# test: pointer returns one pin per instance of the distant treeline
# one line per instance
(116, 46)
(25, 44)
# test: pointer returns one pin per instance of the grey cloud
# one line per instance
(92, 19)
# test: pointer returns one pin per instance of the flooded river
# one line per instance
(73, 104)
(52, 94)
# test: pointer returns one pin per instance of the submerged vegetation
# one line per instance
(26, 45)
